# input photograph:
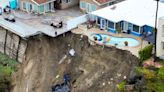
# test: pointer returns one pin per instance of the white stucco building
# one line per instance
(160, 38)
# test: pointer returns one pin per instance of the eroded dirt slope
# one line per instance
(93, 69)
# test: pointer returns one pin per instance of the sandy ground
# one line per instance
(93, 69)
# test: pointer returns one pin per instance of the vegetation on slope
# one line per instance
(154, 79)
(7, 66)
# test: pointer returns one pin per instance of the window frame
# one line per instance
(24, 5)
(138, 27)
(82, 5)
(67, 1)
(109, 22)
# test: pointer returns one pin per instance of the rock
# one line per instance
(81, 36)
(72, 52)
(111, 79)
(57, 76)
(69, 45)
(103, 84)
(124, 77)
(118, 75)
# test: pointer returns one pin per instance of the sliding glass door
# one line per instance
(103, 24)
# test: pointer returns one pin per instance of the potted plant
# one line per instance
(126, 43)
(118, 29)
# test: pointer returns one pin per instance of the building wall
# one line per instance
(91, 2)
(160, 38)
(65, 5)
(35, 8)
(126, 26)
(85, 4)
(12, 45)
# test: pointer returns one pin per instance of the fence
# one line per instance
(73, 23)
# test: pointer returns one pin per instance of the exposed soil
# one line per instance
(93, 69)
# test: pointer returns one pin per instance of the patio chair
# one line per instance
(60, 25)
(7, 9)
(10, 18)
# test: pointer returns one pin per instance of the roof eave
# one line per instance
(102, 3)
(42, 3)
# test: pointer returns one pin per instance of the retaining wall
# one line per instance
(12, 45)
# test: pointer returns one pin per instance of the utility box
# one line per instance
(13, 4)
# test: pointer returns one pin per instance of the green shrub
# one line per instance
(148, 74)
(153, 79)
(146, 52)
(7, 66)
(5, 83)
(121, 86)
(7, 61)
(5, 70)
(118, 29)
(160, 73)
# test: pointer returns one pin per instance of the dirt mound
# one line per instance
(92, 69)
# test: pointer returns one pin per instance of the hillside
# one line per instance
(92, 69)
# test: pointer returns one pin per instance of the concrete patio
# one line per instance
(31, 24)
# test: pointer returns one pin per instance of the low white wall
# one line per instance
(73, 23)
(160, 37)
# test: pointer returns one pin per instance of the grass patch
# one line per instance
(121, 86)
(154, 79)
(7, 62)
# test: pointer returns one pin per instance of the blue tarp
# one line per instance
(64, 87)
(13, 4)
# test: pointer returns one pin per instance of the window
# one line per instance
(122, 25)
(35, 8)
(67, 1)
(47, 7)
(98, 20)
(42, 8)
(82, 5)
(142, 30)
(111, 3)
(30, 7)
(136, 28)
(93, 7)
(110, 24)
(130, 26)
(24, 5)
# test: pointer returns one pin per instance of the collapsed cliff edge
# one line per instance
(91, 69)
